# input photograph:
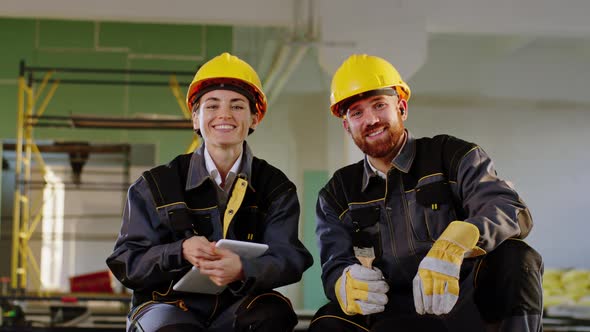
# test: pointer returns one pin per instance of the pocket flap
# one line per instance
(434, 193)
(365, 217)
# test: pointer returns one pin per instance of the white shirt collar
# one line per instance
(378, 172)
(212, 170)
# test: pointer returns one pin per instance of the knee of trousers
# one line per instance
(508, 282)
(331, 318)
(266, 312)
(162, 317)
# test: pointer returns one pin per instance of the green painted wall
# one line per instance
(59, 43)
(313, 291)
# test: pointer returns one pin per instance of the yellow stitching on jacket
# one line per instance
(463, 156)
(178, 303)
(472, 149)
(140, 308)
(367, 202)
(477, 273)
(270, 294)
(342, 214)
(184, 203)
(154, 293)
(151, 196)
(346, 320)
(357, 203)
(156, 183)
(427, 176)
(214, 308)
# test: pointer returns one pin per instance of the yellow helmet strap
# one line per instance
(345, 104)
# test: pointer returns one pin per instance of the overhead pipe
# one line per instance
(265, 59)
(291, 66)
(277, 66)
(308, 35)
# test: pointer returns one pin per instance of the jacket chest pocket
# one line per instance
(434, 210)
(185, 223)
(365, 228)
(248, 225)
(202, 224)
(178, 221)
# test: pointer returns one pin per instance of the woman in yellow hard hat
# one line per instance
(442, 232)
(176, 213)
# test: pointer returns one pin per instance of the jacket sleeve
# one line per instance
(335, 241)
(490, 203)
(287, 258)
(142, 257)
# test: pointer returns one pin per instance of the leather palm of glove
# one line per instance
(436, 285)
(361, 290)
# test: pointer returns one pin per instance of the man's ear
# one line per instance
(403, 106)
(345, 125)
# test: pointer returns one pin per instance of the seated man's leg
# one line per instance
(508, 291)
(331, 318)
(410, 324)
(162, 317)
(263, 312)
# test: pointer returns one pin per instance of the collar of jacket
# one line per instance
(403, 161)
(197, 172)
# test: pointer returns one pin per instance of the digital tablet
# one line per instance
(195, 282)
(242, 248)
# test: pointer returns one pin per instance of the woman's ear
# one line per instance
(195, 118)
(255, 120)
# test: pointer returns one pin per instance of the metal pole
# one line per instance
(26, 207)
(175, 87)
(14, 263)
(110, 71)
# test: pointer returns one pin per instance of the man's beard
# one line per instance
(383, 147)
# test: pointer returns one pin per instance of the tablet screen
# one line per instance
(195, 282)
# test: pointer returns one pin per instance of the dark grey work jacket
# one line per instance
(147, 257)
(433, 182)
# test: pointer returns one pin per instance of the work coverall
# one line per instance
(147, 257)
(432, 182)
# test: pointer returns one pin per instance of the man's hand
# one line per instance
(361, 290)
(226, 269)
(197, 248)
(436, 285)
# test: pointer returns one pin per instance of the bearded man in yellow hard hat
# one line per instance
(176, 213)
(420, 235)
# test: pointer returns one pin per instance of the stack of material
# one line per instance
(566, 287)
(95, 282)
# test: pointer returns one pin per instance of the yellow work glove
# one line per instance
(436, 285)
(361, 290)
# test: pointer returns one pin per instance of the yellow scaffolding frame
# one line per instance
(23, 226)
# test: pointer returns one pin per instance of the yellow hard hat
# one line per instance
(362, 73)
(228, 72)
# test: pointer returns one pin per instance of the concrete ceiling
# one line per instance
(533, 17)
(487, 48)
